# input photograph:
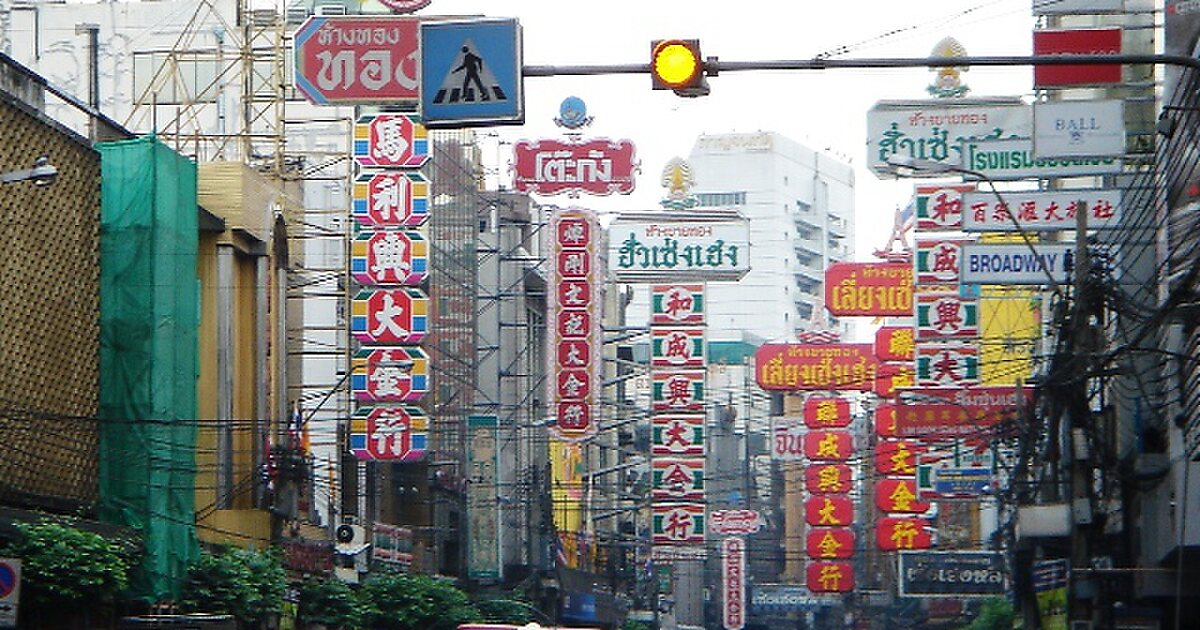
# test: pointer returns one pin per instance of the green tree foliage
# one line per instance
(516, 612)
(394, 601)
(995, 614)
(65, 569)
(245, 583)
(329, 602)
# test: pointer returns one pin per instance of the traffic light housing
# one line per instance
(676, 64)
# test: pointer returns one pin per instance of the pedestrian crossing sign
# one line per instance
(471, 73)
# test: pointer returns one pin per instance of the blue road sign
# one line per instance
(471, 73)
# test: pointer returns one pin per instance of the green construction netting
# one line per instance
(148, 355)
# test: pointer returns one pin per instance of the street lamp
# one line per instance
(907, 166)
(42, 174)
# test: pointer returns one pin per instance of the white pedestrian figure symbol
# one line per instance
(390, 257)
(387, 318)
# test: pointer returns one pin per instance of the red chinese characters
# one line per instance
(827, 478)
(830, 577)
(826, 412)
(892, 533)
(894, 343)
(575, 318)
(549, 167)
(895, 494)
(829, 543)
(897, 458)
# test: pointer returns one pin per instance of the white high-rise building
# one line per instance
(800, 205)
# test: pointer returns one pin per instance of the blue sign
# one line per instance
(962, 481)
(471, 73)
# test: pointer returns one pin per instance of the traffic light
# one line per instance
(676, 64)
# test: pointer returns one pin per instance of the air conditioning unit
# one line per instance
(349, 539)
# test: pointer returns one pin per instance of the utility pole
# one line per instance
(1079, 410)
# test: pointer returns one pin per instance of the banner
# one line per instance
(951, 574)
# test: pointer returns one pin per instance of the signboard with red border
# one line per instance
(948, 364)
(893, 533)
(391, 374)
(830, 577)
(734, 522)
(574, 317)
(677, 434)
(828, 509)
(830, 366)
(897, 458)
(677, 348)
(676, 304)
(1043, 211)
(894, 343)
(677, 478)
(733, 583)
(826, 412)
(939, 207)
(1085, 41)
(599, 166)
(829, 543)
(389, 433)
(390, 141)
(899, 494)
(951, 411)
(389, 316)
(674, 392)
(942, 314)
(678, 523)
(828, 446)
(827, 478)
(359, 60)
(390, 199)
(936, 260)
(389, 257)
(875, 288)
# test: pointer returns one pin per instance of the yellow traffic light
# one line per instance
(676, 64)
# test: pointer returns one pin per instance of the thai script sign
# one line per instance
(827, 478)
(734, 522)
(881, 289)
(574, 317)
(678, 523)
(1017, 263)
(389, 433)
(677, 347)
(893, 533)
(829, 543)
(389, 257)
(677, 435)
(597, 167)
(936, 260)
(830, 577)
(390, 141)
(1078, 128)
(390, 374)
(946, 315)
(939, 207)
(948, 411)
(769, 598)
(1087, 41)
(679, 246)
(1041, 211)
(934, 129)
(390, 199)
(787, 439)
(389, 316)
(359, 59)
(733, 583)
(676, 304)
(1013, 159)
(826, 412)
(951, 574)
(832, 366)
(894, 343)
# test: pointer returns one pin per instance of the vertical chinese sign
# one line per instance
(828, 507)
(389, 314)
(677, 368)
(574, 324)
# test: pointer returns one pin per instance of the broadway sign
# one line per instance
(950, 411)
(951, 574)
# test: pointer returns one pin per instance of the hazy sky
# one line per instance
(821, 109)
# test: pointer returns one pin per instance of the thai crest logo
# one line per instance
(678, 180)
(948, 83)
(572, 113)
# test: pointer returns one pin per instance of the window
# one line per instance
(717, 200)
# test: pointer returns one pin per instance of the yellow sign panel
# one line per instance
(1009, 331)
